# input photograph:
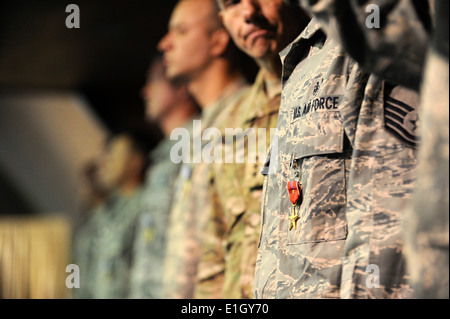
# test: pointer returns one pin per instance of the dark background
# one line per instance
(105, 59)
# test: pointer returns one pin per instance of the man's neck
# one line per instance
(272, 66)
(209, 86)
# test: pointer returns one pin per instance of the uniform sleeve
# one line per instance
(388, 39)
(211, 267)
(426, 230)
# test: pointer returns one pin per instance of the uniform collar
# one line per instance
(297, 50)
(210, 113)
(311, 29)
(261, 85)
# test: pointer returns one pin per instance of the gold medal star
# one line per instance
(293, 218)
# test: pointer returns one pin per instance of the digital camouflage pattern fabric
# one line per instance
(113, 244)
(426, 229)
(150, 242)
(410, 47)
(84, 253)
(333, 137)
(384, 49)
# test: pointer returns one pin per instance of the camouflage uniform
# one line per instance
(386, 50)
(114, 245)
(191, 205)
(231, 239)
(427, 223)
(397, 51)
(427, 230)
(150, 242)
(84, 253)
(338, 134)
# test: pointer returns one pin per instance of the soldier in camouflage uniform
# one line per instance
(347, 137)
(411, 49)
(169, 105)
(113, 244)
(84, 254)
(230, 244)
(84, 228)
(122, 170)
(197, 50)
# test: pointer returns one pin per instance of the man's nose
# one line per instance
(250, 9)
(145, 92)
(165, 43)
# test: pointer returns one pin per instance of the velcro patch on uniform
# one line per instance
(320, 104)
(401, 120)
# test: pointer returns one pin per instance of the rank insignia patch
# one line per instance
(402, 121)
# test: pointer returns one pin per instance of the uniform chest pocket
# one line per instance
(317, 141)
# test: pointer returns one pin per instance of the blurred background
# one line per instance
(62, 92)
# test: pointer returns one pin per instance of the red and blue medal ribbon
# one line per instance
(295, 192)
(295, 196)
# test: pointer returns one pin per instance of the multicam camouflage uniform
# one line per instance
(114, 245)
(340, 136)
(191, 206)
(397, 50)
(231, 239)
(150, 242)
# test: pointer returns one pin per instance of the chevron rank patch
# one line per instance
(402, 119)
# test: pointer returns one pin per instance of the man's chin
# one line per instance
(171, 73)
(154, 118)
(150, 118)
(259, 52)
(176, 76)
(260, 55)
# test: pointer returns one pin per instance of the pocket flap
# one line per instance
(317, 134)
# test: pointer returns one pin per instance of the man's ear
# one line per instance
(219, 42)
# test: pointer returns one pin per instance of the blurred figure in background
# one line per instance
(105, 244)
(261, 30)
(168, 104)
(122, 171)
(93, 193)
(199, 52)
(84, 227)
